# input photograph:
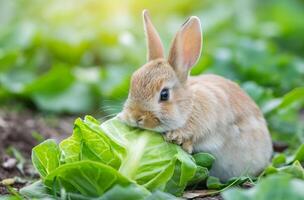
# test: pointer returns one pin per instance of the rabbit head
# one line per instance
(158, 97)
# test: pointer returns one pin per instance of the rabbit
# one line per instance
(205, 113)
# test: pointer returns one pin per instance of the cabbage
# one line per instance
(99, 158)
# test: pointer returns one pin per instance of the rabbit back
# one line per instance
(231, 127)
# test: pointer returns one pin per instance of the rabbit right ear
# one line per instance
(154, 44)
(186, 47)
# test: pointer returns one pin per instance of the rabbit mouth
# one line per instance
(144, 122)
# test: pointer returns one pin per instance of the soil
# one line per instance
(20, 131)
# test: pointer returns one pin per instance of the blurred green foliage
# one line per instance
(77, 56)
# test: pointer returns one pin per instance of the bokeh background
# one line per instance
(76, 56)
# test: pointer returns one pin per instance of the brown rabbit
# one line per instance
(206, 113)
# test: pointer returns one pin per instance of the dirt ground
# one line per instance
(19, 132)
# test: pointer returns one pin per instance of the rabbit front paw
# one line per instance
(188, 146)
(174, 136)
(179, 138)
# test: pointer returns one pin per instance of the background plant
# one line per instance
(76, 57)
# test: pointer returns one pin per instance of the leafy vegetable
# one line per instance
(121, 155)
(292, 97)
(215, 183)
(290, 165)
(37, 190)
(46, 157)
(299, 155)
(133, 191)
(279, 187)
(126, 193)
(87, 177)
(149, 160)
(204, 159)
(90, 142)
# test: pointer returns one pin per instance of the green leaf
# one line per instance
(151, 161)
(104, 152)
(278, 187)
(299, 155)
(78, 98)
(114, 81)
(173, 185)
(188, 167)
(294, 96)
(89, 142)
(158, 195)
(201, 175)
(53, 82)
(16, 80)
(204, 159)
(45, 157)
(59, 91)
(85, 177)
(10, 197)
(216, 184)
(279, 159)
(37, 190)
(126, 193)
(295, 170)
(270, 170)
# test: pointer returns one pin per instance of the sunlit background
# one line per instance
(76, 56)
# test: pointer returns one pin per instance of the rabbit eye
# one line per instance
(164, 94)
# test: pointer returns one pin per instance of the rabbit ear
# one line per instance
(186, 47)
(154, 44)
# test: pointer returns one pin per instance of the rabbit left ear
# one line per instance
(186, 47)
(154, 44)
